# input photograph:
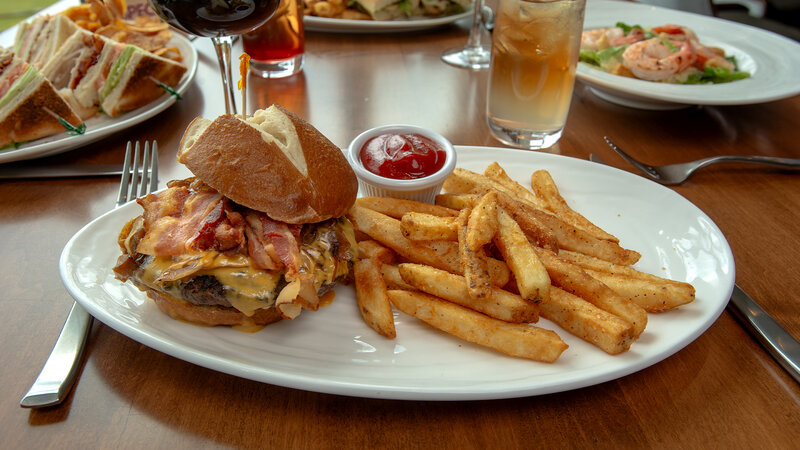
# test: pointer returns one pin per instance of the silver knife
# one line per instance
(12, 172)
(779, 343)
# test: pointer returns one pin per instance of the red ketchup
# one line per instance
(402, 156)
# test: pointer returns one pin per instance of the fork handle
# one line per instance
(758, 159)
(58, 373)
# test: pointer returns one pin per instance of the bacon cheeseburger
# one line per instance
(258, 235)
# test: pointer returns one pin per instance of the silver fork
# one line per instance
(678, 173)
(58, 374)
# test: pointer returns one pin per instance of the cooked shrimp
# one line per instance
(655, 59)
(603, 38)
(676, 32)
(712, 57)
(599, 38)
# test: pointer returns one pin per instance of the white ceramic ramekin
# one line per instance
(420, 189)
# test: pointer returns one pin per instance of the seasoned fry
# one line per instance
(499, 304)
(441, 254)
(653, 296)
(532, 279)
(463, 181)
(574, 280)
(456, 201)
(524, 341)
(426, 227)
(473, 263)
(482, 223)
(373, 301)
(498, 174)
(534, 229)
(395, 207)
(567, 236)
(391, 275)
(375, 251)
(584, 320)
(653, 293)
(546, 188)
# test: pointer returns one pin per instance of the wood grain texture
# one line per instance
(723, 390)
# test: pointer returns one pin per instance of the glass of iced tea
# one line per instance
(277, 47)
(534, 57)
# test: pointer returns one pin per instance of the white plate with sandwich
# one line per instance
(25, 98)
(389, 17)
(333, 350)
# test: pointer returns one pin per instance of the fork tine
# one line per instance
(154, 167)
(648, 170)
(135, 175)
(122, 197)
(145, 169)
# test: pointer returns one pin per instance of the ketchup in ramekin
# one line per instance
(401, 161)
(402, 156)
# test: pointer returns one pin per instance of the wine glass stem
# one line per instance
(222, 44)
(475, 35)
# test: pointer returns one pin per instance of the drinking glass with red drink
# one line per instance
(276, 48)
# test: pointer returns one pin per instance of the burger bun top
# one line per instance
(272, 161)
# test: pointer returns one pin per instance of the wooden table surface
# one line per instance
(722, 390)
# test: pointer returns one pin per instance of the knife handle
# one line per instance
(778, 342)
(58, 373)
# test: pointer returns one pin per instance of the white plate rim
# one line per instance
(332, 25)
(772, 78)
(101, 126)
(539, 378)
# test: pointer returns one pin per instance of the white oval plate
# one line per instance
(101, 126)
(772, 60)
(330, 25)
(333, 351)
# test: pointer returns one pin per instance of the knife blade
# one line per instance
(779, 343)
(12, 172)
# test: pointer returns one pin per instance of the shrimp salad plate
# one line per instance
(333, 351)
(770, 60)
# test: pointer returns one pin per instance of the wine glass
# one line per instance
(220, 20)
(474, 55)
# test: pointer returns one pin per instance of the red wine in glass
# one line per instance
(219, 20)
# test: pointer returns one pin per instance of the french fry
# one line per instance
(441, 254)
(653, 296)
(653, 293)
(375, 251)
(544, 186)
(575, 280)
(588, 322)
(391, 275)
(500, 304)
(524, 341)
(534, 229)
(395, 207)
(473, 263)
(532, 279)
(495, 172)
(482, 223)
(463, 181)
(373, 301)
(566, 235)
(426, 227)
(456, 201)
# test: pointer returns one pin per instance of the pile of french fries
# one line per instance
(491, 256)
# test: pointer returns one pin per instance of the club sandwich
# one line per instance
(30, 108)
